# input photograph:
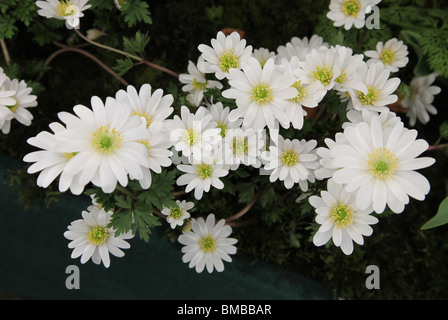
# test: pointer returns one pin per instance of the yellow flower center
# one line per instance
(323, 74)
(65, 8)
(240, 146)
(98, 235)
(106, 140)
(227, 60)
(382, 163)
(146, 143)
(261, 93)
(289, 158)
(208, 244)
(191, 137)
(143, 115)
(69, 155)
(387, 56)
(351, 7)
(342, 215)
(199, 85)
(223, 127)
(301, 91)
(371, 97)
(13, 107)
(342, 78)
(176, 213)
(204, 171)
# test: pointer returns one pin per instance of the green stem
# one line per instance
(127, 192)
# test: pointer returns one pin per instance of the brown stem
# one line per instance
(178, 193)
(155, 66)
(5, 52)
(87, 54)
(437, 147)
(246, 208)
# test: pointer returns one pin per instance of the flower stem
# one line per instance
(437, 147)
(127, 192)
(5, 52)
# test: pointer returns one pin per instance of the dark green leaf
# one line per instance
(440, 218)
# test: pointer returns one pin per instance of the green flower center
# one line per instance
(382, 163)
(65, 8)
(342, 215)
(106, 141)
(261, 93)
(301, 91)
(223, 127)
(176, 213)
(387, 56)
(240, 146)
(228, 60)
(204, 171)
(98, 235)
(208, 244)
(191, 137)
(13, 107)
(371, 97)
(351, 7)
(289, 158)
(323, 74)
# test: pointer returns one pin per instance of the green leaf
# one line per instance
(7, 27)
(135, 11)
(121, 221)
(444, 130)
(143, 222)
(414, 39)
(136, 45)
(160, 194)
(121, 202)
(123, 66)
(440, 218)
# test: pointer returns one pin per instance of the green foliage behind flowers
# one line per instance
(412, 261)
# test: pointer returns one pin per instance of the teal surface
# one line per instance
(34, 257)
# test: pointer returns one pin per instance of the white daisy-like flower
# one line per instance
(300, 47)
(220, 115)
(419, 104)
(348, 63)
(340, 218)
(320, 65)
(263, 55)
(379, 165)
(380, 88)
(242, 146)
(261, 94)
(393, 54)
(207, 244)
(326, 164)
(154, 107)
(92, 239)
(6, 99)
(291, 161)
(194, 133)
(177, 215)
(105, 141)
(227, 52)
(69, 10)
(349, 13)
(50, 162)
(308, 95)
(202, 176)
(195, 83)
(388, 119)
(22, 100)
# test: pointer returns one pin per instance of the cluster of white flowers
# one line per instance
(15, 99)
(69, 10)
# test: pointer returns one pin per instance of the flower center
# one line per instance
(223, 127)
(204, 171)
(261, 93)
(145, 142)
(199, 85)
(13, 107)
(98, 235)
(382, 163)
(323, 74)
(107, 141)
(351, 7)
(301, 91)
(371, 96)
(387, 56)
(240, 146)
(176, 213)
(65, 8)
(227, 60)
(69, 155)
(144, 115)
(289, 158)
(342, 215)
(342, 78)
(191, 137)
(208, 244)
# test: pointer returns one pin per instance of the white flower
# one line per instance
(320, 65)
(193, 134)
(380, 88)
(154, 107)
(177, 215)
(6, 99)
(207, 244)
(300, 47)
(261, 94)
(242, 146)
(340, 218)
(105, 140)
(348, 63)
(291, 161)
(327, 167)
(50, 162)
(419, 105)
(349, 13)
(22, 101)
(68, 10)
(388, 119)
(393, 54)
(379, 165)
(220, 115)
(92, 239)
(227, 52)
(195, 82)
(202, 176)
(263, 55)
